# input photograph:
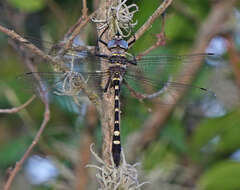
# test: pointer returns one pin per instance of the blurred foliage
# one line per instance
(223, 175)
(209, 145)
(13, 150)
(28, 6)
(217, 136)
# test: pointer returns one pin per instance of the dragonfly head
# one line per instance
(118, 36)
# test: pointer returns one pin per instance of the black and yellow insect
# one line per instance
(148, 75)
(118, 65)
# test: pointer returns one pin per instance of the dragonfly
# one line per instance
(146, 77)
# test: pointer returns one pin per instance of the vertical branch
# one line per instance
(108, 97)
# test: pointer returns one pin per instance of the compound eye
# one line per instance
(123, 44)
(112, 44)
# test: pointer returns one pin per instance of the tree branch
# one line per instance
(160, 10)
(17, 109)
(76, 28)
(28, 45)
(106, 114)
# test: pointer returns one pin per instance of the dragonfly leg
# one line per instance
(101, 35)
(107, 85)
(133, 41)
(133, 61)
(102, 56)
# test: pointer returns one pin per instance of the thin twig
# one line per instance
(161, 40)
(75, 30)
(84, 9)
(28, 45)
(19, 164)
(28, 61)
(17, 109)
(160, 10)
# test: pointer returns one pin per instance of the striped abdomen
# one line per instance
(116, 144)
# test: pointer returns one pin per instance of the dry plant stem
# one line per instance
(85, 9)
(28, 45)
(27, 153)
(106, 114)
(161, 41)
(211, 27)
(160, 10)
(17, 109)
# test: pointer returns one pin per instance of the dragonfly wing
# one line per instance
(153, 78)
(60, 83)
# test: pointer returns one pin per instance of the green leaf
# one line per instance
(178, 28)
(12, 151)
(221, 176)
(28, 5)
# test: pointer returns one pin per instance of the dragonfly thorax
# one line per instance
(118, 59)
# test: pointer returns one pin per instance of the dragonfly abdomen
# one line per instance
(116, 143)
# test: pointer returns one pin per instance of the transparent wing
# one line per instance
(155, 76)
(59, 83)
(80, 66)
(78, 50)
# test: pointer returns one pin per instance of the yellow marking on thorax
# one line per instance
(119, 54)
